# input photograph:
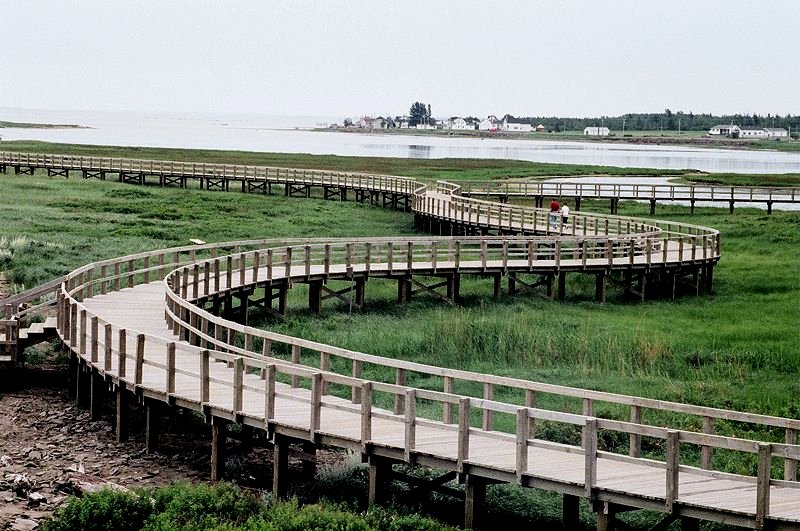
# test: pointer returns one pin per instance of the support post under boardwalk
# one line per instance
(562, 285)
(73, 369)
(379, 472)
(218, 441)
(122, 413)
(570, 511)
(474, 498)
(82, 386)
(315, 296)
(280, 467)
(309, 465)
(690, 524)
(151, 426)
(96, 395)
(600, 287)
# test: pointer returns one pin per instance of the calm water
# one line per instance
(291, 134)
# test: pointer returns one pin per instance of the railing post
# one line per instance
(94, 338)
(355, 394)
(673, 469)
(763, 483)
(170, 368)
(635, 448)
(523, 430)
(448, 384)
(296, 360)
(138, 375)
(488, 415)
(707, 452)
(590, 454)
(790, 465)
(366, 414)
(269, 394)
(462, 454)
(400, 380)
(205, 387)
(410, 423)
(107, 339)
(238, 377)
(122, 352)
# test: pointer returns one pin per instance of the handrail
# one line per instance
(192, 273)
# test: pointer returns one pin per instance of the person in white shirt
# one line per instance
(564, 214)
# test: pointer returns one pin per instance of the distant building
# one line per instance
(366, 122)
(461, 124)
(776, 132)
(726, 130)
(491, 123)
(752, 132)
(540, 128)
(515, 124)
(596, 131)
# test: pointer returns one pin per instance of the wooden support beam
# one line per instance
(96, 395)
(122, 413)
(570, 511)
(600, 287)
(280, 467)
(219, 427)
(310, 463)
(562, 285)
(474, 499)
(315, 296)
(83, 385)
(152, 425)
(380, 471)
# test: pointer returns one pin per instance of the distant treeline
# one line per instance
(667, 121)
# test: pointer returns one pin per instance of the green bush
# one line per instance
(106, 510)
(182, 507)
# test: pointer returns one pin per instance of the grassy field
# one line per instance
(739, 348)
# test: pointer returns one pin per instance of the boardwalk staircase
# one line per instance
(17, 332)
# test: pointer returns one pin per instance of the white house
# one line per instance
(726, 130)
(515, 124)
(596, 131)
(460, 124)
(776, 132)
(491, 123)
(752, 132)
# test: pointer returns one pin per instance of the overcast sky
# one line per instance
(352, 57)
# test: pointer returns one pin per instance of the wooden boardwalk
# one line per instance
(170, 327)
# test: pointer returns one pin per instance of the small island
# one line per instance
(27, 125)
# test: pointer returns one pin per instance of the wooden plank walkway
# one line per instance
(140, 322)
(141, 308)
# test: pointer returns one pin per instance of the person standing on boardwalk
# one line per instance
(554, 209)
(564, 214)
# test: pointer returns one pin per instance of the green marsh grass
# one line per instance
(738, 348)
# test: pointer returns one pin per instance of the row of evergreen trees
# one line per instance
(666, 121)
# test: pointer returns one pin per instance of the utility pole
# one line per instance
(623, 127)
(679, 125)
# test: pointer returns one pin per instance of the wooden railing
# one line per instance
(400, 185)
(249, 353)
(672, 192)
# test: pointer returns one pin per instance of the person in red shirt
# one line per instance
(554, 215)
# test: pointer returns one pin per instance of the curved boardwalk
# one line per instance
(170, 327)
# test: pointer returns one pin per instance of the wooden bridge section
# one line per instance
(169, 328)
(652, 193)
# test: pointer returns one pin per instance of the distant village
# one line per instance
(509, 123)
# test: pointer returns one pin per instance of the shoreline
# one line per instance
(700, 142)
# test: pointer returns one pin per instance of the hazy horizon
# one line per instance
(351, 58)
